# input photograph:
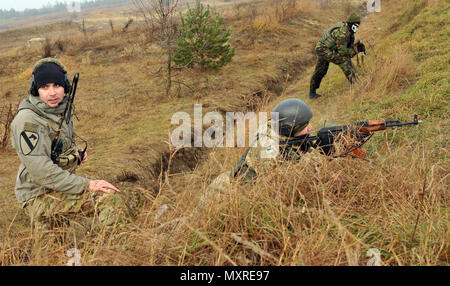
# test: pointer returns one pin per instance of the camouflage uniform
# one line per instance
(336, 46)
(51, 193)
(33, 130)
(260, 157)
(246, 168)
(55, 209)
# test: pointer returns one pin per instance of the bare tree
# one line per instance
(160, 16)
(83, 28)
(111, 25)
(7, 114)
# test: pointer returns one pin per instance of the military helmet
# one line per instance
(54, 71)
(294, 116)
(353, 18)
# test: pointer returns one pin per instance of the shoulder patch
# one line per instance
(32, 127)
(28, 141)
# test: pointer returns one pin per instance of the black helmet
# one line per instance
(294, 115)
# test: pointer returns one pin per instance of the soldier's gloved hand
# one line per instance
(360, 47)
(102, 186)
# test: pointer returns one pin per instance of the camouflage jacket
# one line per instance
(337, 39)
(33, 130)
(264, 154)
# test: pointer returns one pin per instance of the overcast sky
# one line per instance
(20, 5)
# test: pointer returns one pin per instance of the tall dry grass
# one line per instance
(388, 73)
(321, 212)
(312, 212)
(271, 18)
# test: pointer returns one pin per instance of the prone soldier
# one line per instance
(294, 122)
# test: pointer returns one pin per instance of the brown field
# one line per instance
(313, 212)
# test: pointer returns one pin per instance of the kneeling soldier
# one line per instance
(49, 190)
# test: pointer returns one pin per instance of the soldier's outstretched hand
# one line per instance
(102, 186)
(85, 158)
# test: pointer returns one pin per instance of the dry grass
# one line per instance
(311, 212)
(389, 73)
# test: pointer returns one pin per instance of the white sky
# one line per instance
(20, 5)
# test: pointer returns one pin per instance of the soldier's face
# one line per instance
(52, 94)
(308, 129)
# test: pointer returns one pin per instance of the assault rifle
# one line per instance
(353, 136)
(355, 48)
(57, 143)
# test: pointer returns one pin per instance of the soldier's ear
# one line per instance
(67, 86)
(32, 89)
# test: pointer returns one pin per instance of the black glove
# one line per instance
(360, 47)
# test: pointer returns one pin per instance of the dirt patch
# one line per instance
(150, 172)
(289, 70)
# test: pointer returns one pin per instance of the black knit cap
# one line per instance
(49, 73)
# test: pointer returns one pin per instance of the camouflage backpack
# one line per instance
(327, 40)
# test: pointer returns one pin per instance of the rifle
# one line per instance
(354, 136)
(355, 48)
(57, 143)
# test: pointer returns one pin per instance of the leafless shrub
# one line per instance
(284, 9)
(47, 49)
(111, 25)
(59, 45)
(7, 114)
(127, 25)
(83, 28)
(162, 15)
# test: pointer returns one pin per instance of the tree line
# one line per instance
(54, 8)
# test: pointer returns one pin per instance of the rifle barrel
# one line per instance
(299, 140)
(404, 123)
(392, 121)
(68, 115)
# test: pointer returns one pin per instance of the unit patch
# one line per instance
(28, 141)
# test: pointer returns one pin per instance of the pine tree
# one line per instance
(202, 41)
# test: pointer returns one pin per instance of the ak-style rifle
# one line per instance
(57, 143)
(354, 136)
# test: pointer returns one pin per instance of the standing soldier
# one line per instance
(337, 46)
(49, 190)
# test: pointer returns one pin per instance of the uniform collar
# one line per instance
(42, 109)
(37, 102)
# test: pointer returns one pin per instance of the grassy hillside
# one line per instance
(312, 212)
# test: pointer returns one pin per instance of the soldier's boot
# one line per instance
(313, 94)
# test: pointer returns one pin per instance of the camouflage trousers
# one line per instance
(57, 209)
(219, 187)
(324, 57)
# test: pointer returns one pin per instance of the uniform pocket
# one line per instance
(24, 177)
